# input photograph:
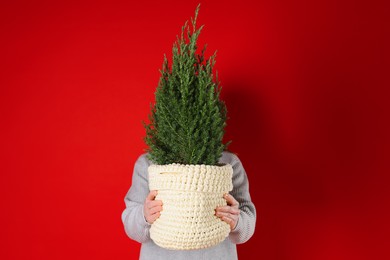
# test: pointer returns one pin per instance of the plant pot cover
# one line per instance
(190, 194)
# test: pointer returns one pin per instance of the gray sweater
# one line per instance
(138, 229)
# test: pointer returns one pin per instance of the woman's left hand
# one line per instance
(229, 213)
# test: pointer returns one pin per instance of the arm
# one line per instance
(247, 218)
(136, 227)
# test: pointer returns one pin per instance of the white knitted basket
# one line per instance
(190, 194)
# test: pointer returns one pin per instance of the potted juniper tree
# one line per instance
(184, 137)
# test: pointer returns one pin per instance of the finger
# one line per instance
(225, 214)
(227, 219)
(152, 195)
(228, 209)
(152, 218)
(155, 210)
(230, 221)
(230, 200)
(155, 216)
(154, 203)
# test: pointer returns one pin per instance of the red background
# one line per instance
(307, 89)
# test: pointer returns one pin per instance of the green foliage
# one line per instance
(188, 119)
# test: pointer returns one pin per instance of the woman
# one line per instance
(142, 210)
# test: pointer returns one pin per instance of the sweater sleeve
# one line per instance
(133, 217)
(247, 219)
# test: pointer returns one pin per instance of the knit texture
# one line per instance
(138, 229)
(190, 194)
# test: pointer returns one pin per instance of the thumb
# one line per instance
(152, 195)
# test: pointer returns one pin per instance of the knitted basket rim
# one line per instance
(189, 177)
(170, 166)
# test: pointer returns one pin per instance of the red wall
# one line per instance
(307, 89)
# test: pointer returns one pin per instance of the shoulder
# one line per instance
(143, 160)
(230, 158)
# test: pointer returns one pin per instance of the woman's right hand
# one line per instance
(152, 207)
